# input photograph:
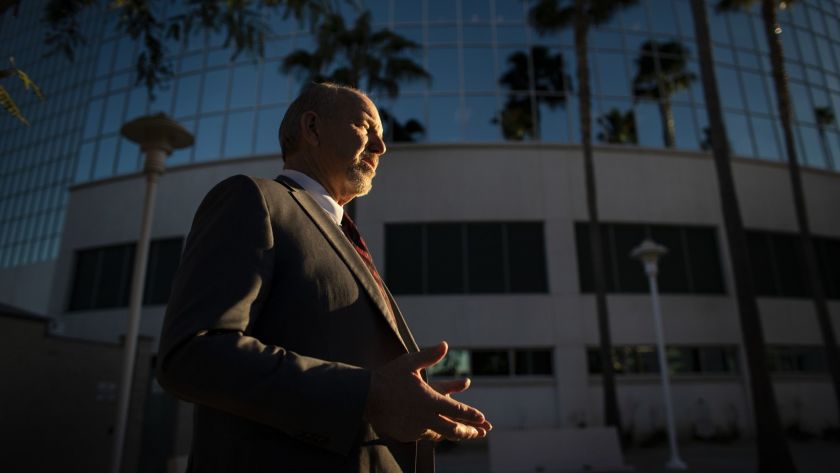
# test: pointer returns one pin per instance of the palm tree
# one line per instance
(618, 127)
(661, 73)
(364, 58)
(773, 453)
(521, 114)
(773, 31)
(825, 118)
(552, 15)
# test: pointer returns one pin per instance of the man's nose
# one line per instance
(376, 144)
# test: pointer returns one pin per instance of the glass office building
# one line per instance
(492, 79)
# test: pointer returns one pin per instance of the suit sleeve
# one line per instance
(207, 356)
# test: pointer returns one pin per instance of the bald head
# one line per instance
(319, 98)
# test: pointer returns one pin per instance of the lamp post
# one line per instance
(157, 136)
(649, 252)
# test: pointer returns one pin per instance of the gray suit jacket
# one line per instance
(272, 327)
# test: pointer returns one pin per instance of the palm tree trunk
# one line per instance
(668, 131)
(769, 14)
(773, 453)
(612, 415)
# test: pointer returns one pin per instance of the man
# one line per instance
(280, 329)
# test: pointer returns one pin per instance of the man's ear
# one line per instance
(309, 123)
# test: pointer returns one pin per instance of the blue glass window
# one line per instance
(650, 132)
(92, 118)
(208, 138)
(479, 70)
(215, 91)
(84, 162)
(812, 147)
(685, 130)
(137, 100)
(511, 34)
(739, 133)
(106, 55)
(162, 101)
(730, 90)
(243, 92)
(104, 165)
(477, 34)
(438, 11)
(412, 11)
(510, 11)
(554, 124)
(268, 122)
(662, 17)
(238, 134)
(190, 63)
(186, 100)
(444, 124)
(275, 85)
(182, 156)
(765, 138)
(756, 95)
(129, 157)
(611, 74)
(113, 113)
(479, 115)
(443, 67)
(475, 11)
(634, 18)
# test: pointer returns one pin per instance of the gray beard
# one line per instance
(361, 180)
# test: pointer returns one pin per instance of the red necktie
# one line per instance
(352, 234)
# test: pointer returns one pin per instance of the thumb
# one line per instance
(427, 357)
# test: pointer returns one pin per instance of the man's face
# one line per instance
(351, 145)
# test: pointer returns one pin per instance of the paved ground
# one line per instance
(810, 457)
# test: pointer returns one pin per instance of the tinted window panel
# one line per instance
(761, 264)
(526, 257)
(533, 362)
(164, 257)
(631, 274)
(673, 271)
(84, 280)
(446, 259)
(114, 277)
(788, 256)
(486, 272)
(706, 274)
(404, 258)
(490, 363)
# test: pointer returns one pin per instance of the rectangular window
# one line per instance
(796, 359)
(495, 362)
(778, 267)
(460, 258)
(691, 266)
(642, 359)
(102, 276)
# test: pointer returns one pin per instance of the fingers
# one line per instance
(458, 411)
(426, 357)
(452, 430)
(451, 386)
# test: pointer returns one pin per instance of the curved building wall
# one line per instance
(483, 183)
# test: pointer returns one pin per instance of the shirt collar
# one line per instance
(318, 193)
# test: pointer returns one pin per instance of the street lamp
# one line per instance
(157, 136)
(649, 252)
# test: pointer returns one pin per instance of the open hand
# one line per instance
(404, 407)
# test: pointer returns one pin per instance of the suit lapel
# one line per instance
(351, 258)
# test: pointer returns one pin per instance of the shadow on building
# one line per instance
(58, 401)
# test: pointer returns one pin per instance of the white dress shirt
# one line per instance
(317, 191)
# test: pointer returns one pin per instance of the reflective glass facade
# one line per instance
(493, 79)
